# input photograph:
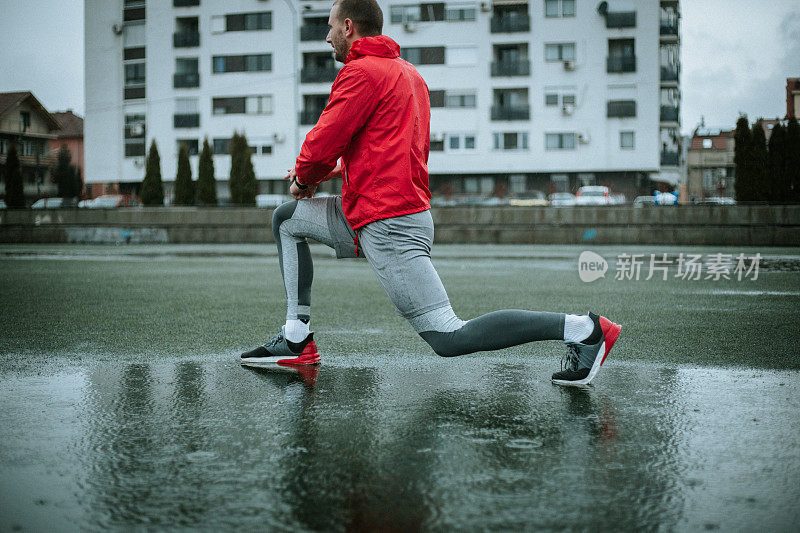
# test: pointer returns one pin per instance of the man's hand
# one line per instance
(296, 192)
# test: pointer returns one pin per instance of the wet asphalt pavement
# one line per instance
(123, 405)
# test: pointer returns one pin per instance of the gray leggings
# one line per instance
(398, 250)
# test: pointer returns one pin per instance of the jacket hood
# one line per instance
(380, 46)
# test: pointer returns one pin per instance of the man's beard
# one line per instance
(340, 49)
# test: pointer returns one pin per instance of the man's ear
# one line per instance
(349, 27)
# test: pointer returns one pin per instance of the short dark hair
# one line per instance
(365, 14)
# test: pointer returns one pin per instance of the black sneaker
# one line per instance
(584, 359)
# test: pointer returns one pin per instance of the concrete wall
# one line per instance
(757, 225)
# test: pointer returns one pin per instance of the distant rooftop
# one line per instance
(71, 124)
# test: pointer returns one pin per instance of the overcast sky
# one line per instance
(736, 55)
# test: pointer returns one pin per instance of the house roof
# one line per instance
(10, 99)
(71, 124)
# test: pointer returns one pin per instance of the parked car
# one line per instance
(720, 200)
(561, 199)
(592, 195)
(666, 198)
(641, 201)
(53, 203)
(530, 198)
(3, 204)
(110, 201)
(271, 200)
(85, 203)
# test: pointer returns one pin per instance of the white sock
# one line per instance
(577, 328)
(296, 330)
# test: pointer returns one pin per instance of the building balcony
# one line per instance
(669, 159)
(621, 19)
(186, 120)
(318, 74)
(186, 39)
(309, 117)
(511, 68)
(190, 79)
(510, 24)
(669, 74)
(669, 113)
(501, 112)
(668, 28)
(621, 109)
(313, 32)
(185, 3)
(621, 64)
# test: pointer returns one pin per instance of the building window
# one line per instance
(30, 148)
(249, 21)
(134, 74)
(426, 12)
(459, 13)
(228, 106)
(559, 8)
(554, 98)
(460, 100)
(621, 56)
(457, 142)
(627, 140)
(511, 141)
(24, 121)
(437, 145)
(133, 35)
(242, 63)
(621, 108)
(437, 98)
(251, 105)
(551, 99)
(222, 146)
(258, 105)
(428, 55)
(134, 134)
(134, 13)
(266, 149)
(3, 146)
(708, 144)
(191, 144)
(559, 52)
(560, 141)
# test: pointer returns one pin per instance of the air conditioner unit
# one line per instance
(584, 138)
(410, 27)
(137, 129)
(568, 109)
(486, 7)
(139, 162)
(569, 64)
(278, 137)
(437, 136)
(116, 28)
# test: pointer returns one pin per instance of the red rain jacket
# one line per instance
(378, 121)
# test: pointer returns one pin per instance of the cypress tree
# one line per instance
(184, 186)
(248, 183)
(77, 182)
(778, 191)
(793, 159)
(15, 194)
(152, 188)
(65, 173)
(237, 169)
(206, 184)
(760, 181)
(743, 176)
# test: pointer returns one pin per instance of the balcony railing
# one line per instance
(621, 19)
(318, 74)
(185, 3)
(191, 79)
(510, 23)
(520, 67)
(310, 117)
(669, 28)
(186, 120)
(669, 73)
(186, 39)
(621, 64)
(501, 112)
(669, 159)
(313, 32)
(669, 113)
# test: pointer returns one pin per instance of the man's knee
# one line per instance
(444, 344)
(281, 214)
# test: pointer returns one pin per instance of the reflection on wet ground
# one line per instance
(398, 443)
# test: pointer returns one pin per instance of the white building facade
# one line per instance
(540, 95)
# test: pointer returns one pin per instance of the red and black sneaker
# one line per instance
(584, 359)
(284, 352)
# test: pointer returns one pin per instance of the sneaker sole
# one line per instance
(611, 332)
(282, 360)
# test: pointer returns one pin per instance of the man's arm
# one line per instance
(351, 103)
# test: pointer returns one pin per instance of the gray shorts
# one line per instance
(399, 251)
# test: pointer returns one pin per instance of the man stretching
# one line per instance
(378, 122)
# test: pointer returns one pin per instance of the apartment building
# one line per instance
(531, 95)
(709, 163)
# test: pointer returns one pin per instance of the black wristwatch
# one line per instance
(299, 185)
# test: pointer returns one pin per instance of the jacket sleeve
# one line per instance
(351, 103)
